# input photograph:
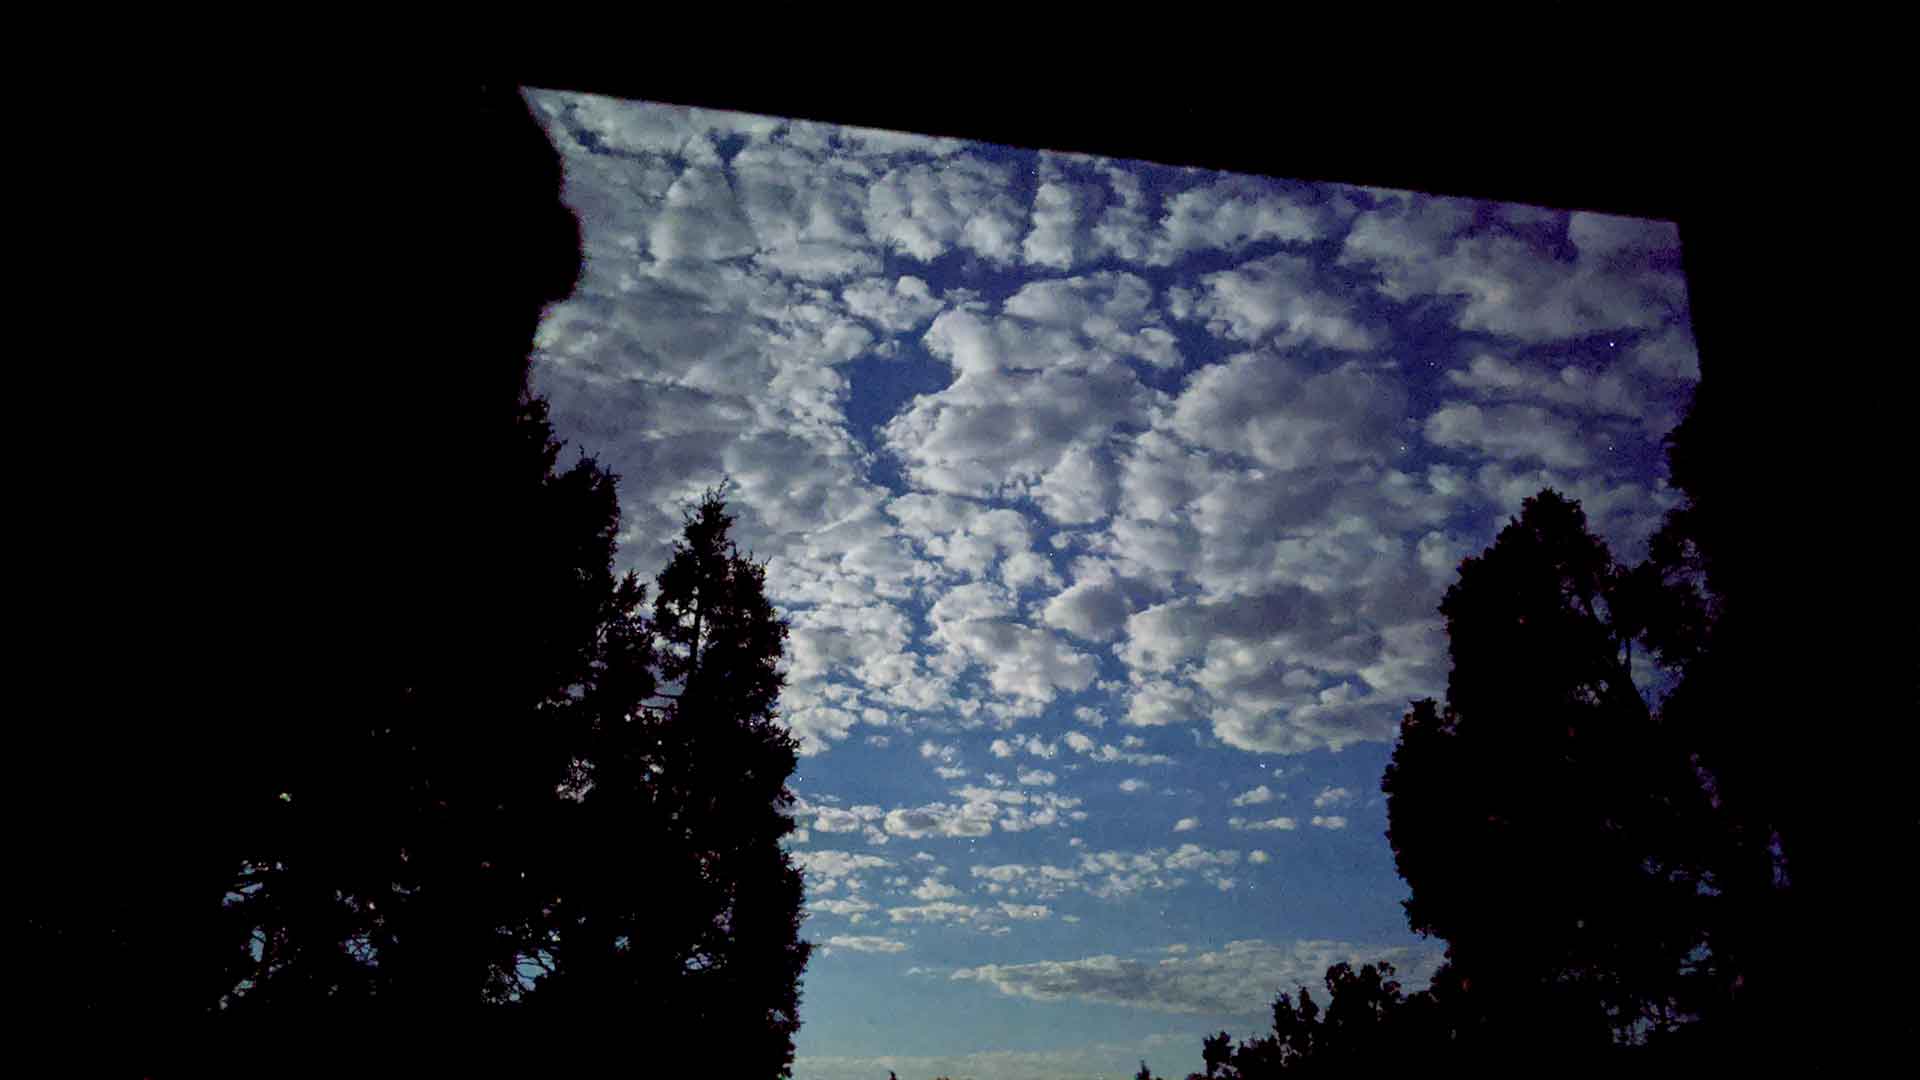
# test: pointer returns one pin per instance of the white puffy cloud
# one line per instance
(1186, 824)
(923, 210)
(1233, 980)
(1133, 785)
(831, 820)
(1024, 398)
(1272, 409)
(1510, 432)
(934, 889)
(1025, 912)
(1609, 391)
(1094, 611)
(1056, 237)
(974, 626)
(1333, 718)
(1626, 273)
(866, 943)
(1285, 824)
(1017, 879)
(1158, 702)
(1258, 857)
(1228, 215)
(1037, 777)
(830, 867)
(938, 911)
(968, 819)
(1078, 742)
(1332, 796)
(1330, 821)
(853, 906)
(1254, 796)
(1110, 310)
(1277, 296)
(897, 308)
(1108, 754)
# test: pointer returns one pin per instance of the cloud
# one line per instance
(1017, 879)
(1237, 979)
(975, 627)
(1157, 702)
(1254, 796)
(970, 819)
(1078, 742)
(853, 906)
(922, 211)
(831, 867)
(1332, 796)
(1274, 410)
(856, 943)
(1331, 821)
(1258, 857)
(1037, 777)
(1625, 274)
(1276, 297)
(902, 306)
(934, 889)
(1109, 310)
(1133, 786)
(1109, 754)
(1286, 824)
(1510, 432)
(1056, 238)
(1186, 824)
(939, 911)
(1609, 391)
(1025, 912)
(1228, 215)
(1026, 400)
(1096, 612)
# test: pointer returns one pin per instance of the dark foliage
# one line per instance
(674, 903)
(301, 799)
(1544, 819)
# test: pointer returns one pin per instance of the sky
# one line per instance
(1110, 504)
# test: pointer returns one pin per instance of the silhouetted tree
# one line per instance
(334, 511)
(1544, 819)
(677, 905)
(1368, 1026)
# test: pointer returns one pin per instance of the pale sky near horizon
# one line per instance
(1110, 504)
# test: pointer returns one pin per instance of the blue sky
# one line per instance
(1110, 504)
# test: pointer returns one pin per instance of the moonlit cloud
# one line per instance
(861, 943)
(1332, 796)
(1030, 443)
(1237, 979)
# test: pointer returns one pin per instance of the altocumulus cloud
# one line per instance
(1237, 979)
(866, 943)
(1030, 440)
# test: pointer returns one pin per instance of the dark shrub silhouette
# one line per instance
(300, 799)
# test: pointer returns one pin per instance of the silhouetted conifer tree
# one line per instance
(1545, 820)
(678, 906)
